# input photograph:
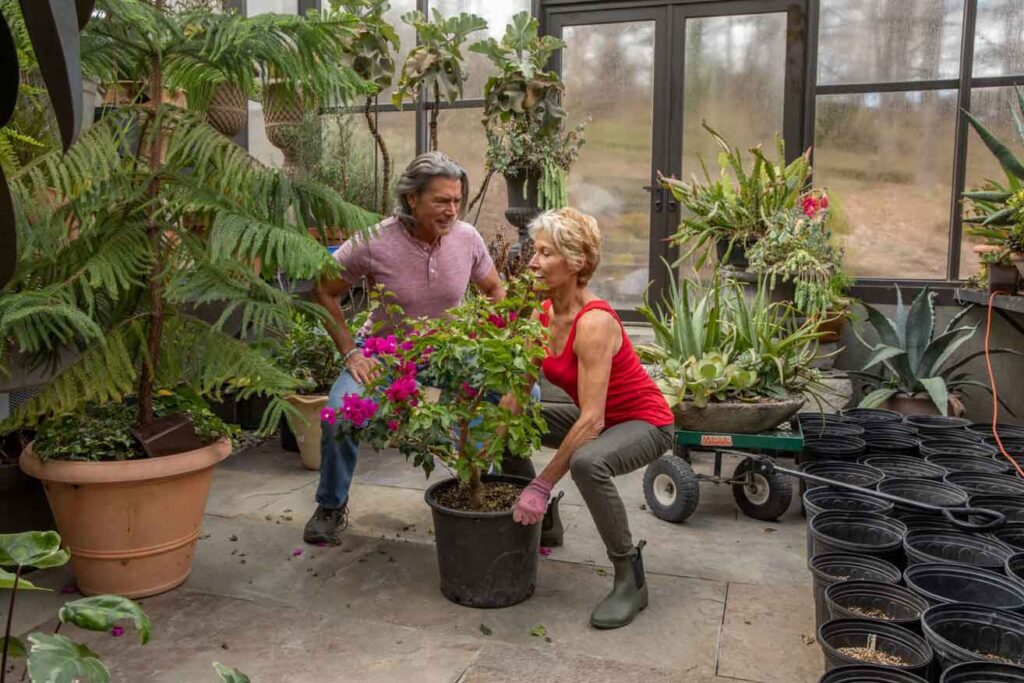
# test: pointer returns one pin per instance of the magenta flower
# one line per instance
(328, 415)
(469, 391)
(117, 631)
(393, 425)
(369, 346)
(406, 346)
(545, 551)
(408, 369)
(402, 389)
(497, 321)
(388, 345)
(512, 316)
(358, 410)
(823, 203)
(296, 552)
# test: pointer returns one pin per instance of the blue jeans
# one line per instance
(338, 456)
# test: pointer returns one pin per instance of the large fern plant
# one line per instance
(153, 216)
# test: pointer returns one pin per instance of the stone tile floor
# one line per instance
(730, 596)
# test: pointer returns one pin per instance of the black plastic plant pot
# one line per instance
(948, 447)
(961, 632)
(950, 435)
(1004, 430)
(831, 568)
(927, 546)
(824, 498)
(868, 673)
(1012, 534)
(895, 445)
(875, 600)
(940, 583)
(935, 493)
(969, 463)
(810, 417)
(925, 520)
(833, 431)
(871, 634)
(982, 482)
(1011, 444)
(870, 416)
(936, 422)
(1015, 567)
(864, 533)
(983, 672)
(904, 466)
(846, 472)
(1011, 506)
(832, 448)
(485, 558)
(884, 429)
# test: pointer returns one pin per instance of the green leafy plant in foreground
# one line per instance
(53, 657)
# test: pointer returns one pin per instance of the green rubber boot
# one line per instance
(628, 596)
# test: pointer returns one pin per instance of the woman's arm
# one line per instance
(598, 339)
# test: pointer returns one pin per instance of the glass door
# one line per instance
(648, 77)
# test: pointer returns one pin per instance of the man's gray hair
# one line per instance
(418, 175)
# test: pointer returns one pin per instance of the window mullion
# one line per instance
(960, 154)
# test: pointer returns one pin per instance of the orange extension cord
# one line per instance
(992, 383)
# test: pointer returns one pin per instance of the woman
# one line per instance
(620, 421)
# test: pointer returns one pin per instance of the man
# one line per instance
(425, 257)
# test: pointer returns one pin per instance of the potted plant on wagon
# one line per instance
(729, 364)
(112, 275)
(309, 355)
(525, 123)
(479, 352)
(733, 211)
(918, 372)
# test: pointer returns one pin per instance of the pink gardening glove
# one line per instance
(533, 502)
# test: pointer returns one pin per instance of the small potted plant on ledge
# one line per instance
(916, 371)
(311, 357)
(733, 211)
(479, 352)
(729, 364)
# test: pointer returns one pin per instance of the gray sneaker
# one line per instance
(326, 525)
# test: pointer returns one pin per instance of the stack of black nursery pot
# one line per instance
(900, 593)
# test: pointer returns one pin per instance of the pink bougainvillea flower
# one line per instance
(823, 203)
(328, 415)
(393, 425)
(471, 335)
(497, 321)
(545, 551)
(406, 346)
(387, 345)
(512, 315)
(117, 631)
(810, 206)
(296, 552)
(402, 389)
(357, 410)
(408, 369)
(469, 391)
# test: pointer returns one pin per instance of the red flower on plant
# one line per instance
(393, 425)
(328, 415)
(402, 389)
(358, 410)
(117, 631)
(497, 321)
(469, 391)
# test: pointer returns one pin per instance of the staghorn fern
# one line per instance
(153, 214)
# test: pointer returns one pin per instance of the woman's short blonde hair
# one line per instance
(576, 236)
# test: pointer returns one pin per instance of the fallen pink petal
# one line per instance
(117, 631)
(545, 551)
(296, 552)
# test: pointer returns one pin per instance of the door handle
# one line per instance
(659, 194)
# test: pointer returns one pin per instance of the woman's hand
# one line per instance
(361, 368)
(532, 503)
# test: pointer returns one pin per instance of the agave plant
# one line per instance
(714, 344)
(997, 209)
(913, 358)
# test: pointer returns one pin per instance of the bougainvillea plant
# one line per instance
(436, 397)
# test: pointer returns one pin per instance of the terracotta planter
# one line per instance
(131, 525)
(831, 328)
(921, 404)
(307, 434)
(228, 109)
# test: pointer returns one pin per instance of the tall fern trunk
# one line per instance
(433, 118)
(385, 182)
(153, 231)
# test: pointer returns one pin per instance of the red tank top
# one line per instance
(632, 394)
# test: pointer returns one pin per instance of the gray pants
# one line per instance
(620, 449)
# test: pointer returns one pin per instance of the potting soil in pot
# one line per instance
(873, 656)
(498, 496)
